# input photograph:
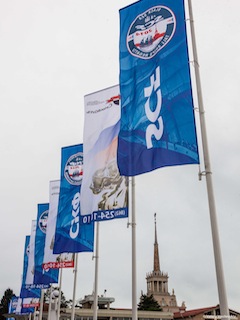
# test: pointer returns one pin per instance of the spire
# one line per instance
(156, 263)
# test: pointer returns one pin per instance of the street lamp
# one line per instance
(53, 305)
(36, 314)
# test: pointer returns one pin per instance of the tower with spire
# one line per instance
(157, 282)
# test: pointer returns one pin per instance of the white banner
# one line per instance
(31, 254)
(104, 191)
(51, 260)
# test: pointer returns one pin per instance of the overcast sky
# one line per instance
(52, 53)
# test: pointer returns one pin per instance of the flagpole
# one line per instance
(74, 286)
(50, 303)
(34, 313)
(60, 295)
(95, 301)
(41, 305)
(208, 173)
(134, 268)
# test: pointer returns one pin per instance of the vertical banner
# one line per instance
(71, 235)
(30, 256)
(41, 276)
(157, 116)
(104, 191)
(19, 306)
(28, 292)
(30, 303)
(12, 307)
(51, 260)
(25, 309)
(20, 310)
(25, 259)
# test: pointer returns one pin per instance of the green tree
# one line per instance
(148, 303)
(7, 296)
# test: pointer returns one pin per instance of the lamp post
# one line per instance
(53, 305)
(36, 314)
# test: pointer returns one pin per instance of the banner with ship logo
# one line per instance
(157, 116)
(42, 276)
(71, 235)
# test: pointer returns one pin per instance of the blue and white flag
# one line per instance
(31, 255)
(16, 307)
(19, 306)
(51, 260)
(157, 116)
(104, 192)
(29, 303)
(28, 292)
(71, 235)
(24, 310)
(41, 276)
(12, 307)
(25, 258)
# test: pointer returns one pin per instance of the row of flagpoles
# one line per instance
(145, 123)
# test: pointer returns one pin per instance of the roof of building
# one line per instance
(102, 300)
(191, 313)
(195, 312)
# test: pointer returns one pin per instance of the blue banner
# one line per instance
(41, 276)
(24, 293)
(71, 235)
(16, 307)
(31, 264)
(12, 307)
(157, 117)
(24, 310)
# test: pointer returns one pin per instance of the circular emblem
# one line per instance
(42, 223)
(150, 32)
(74, 169)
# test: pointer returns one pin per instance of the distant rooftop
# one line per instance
(103, 302)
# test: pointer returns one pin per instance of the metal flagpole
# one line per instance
(34, 313)
(41, 305)
(95, 301)
(50, 303)
(74, 286)
(208, 173)
(60, 295)
(134, 268)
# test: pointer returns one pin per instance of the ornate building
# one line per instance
(157, 283)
